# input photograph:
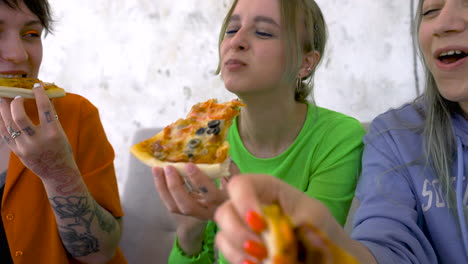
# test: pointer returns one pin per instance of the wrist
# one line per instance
(190, 239)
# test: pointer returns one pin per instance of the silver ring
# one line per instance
(15, 134)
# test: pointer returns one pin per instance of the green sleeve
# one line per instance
(338, 167)
(206, 256)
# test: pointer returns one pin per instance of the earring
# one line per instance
(298, 84)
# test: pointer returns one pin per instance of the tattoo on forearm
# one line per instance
(76, 234)
(29, 131)
(51, 165)
(48, 117)
(106, 221)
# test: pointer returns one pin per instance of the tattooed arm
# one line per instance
(89, 233)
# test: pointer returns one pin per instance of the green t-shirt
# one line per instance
(324, 162)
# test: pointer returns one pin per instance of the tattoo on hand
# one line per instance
(48, 117)
(29, 131)
(76, 234)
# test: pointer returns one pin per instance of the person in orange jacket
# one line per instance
(58, 190)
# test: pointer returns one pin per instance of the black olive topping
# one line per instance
(200, 131)
(194, 143)
(214, 130)
(214, 123)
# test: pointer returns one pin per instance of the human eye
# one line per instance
(430, 11)
(231, 31)
(31, 34)
(263, 34)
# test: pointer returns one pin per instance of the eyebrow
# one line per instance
(257, 19)
(27, 24)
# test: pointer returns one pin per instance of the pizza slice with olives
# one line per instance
(12, 87)
(199, 138)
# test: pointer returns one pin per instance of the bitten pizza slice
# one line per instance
(12, 87)
(199, 138)
(303, 244)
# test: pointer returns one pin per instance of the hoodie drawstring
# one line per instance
(460, 205)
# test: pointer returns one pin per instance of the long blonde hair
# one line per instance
(438, 133)
(294, 12)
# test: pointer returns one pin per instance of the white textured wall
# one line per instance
(143, 63)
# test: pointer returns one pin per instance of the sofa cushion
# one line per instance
(148, 228)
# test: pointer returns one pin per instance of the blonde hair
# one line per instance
(438, 132)
(293, 13)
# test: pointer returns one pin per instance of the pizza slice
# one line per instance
(12, 87)
(291, 244)
(199, 138)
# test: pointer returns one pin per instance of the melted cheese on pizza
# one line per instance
(26, 83)
(199, 138)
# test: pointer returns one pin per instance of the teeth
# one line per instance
(451, 52)
(11, 76)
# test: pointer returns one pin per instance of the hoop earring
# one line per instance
(298, 85)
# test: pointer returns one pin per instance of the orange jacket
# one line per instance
(27, 216)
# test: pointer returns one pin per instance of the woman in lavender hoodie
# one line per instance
(413, 187)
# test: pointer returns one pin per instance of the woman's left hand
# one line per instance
(43, 148)
(196, 196)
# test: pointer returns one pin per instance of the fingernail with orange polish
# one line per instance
(255, 221)
(255, 249)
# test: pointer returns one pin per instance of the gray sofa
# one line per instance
(149, 229)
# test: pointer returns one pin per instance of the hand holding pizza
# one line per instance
(294, 229)
(195, 195)
(43, 148)
(193, 200)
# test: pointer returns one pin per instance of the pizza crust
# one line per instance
(213, 171)
(12, 92)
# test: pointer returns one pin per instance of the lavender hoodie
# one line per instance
(403, 216)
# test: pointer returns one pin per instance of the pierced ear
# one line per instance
(309, 63)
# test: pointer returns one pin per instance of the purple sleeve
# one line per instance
(387, 219)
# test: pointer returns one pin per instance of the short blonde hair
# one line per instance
(293, 14)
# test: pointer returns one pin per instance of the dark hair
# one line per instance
(40, 8)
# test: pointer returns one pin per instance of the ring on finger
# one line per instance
(15, 134)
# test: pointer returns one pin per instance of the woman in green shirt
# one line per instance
(269, 50)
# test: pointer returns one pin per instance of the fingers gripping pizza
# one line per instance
(12, 87)
(301, 244)
(199, 138)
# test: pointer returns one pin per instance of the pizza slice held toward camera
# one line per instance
(12, 87)
(302, 244)
(200, 138)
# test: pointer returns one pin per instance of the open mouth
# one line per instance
(13, 75)
(452, 56)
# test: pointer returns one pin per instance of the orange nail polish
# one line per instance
(255, 221)
(255, 249)
(248, 262)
